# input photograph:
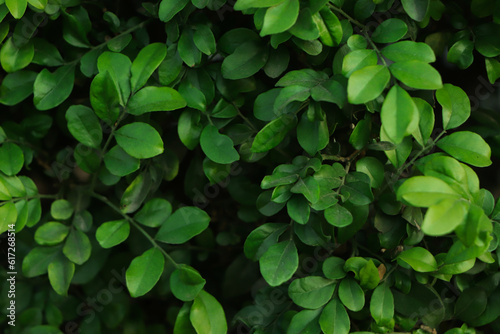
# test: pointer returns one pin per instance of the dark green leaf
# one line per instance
(218, 147)
(182, 225)
(52, 89)
(84, 125)
(186, 283)
(112, 233)
(279, 263)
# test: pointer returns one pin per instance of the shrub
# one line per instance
(249, 166)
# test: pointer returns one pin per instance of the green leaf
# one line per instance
(51, 233)
(151, 99)
(461, 54)
(35, 263)
(61, 209)
(351, 294)
(468, 147)
(119, 163)
(186, 283)
(189, 128)
(382, 304)
(369, 276)
(424, 191)
(76, 25)
(298, 209)
(373, 168)
(77, 247)
(60, 273)
(456, 105)
(329, 91)
(261, 238)
(52, 89)
(104, 97)
(390, 31)
(334, 318)
(182, 323)
(182, 225)
(207, 315)
(140, 140)
(8, 216)
(17, 7)
(409, 50)
(112, 233)
(308, 187)
(367, 83)
(311, 292)
(144, 272)
(306, 321)
(357, 60)
(280, 18)
(273, 133)
(399, 114)
(169, 8)
(246, 60)
(416, 9)
(305, 28)
(420, 259)
(15, 58)
(84, 125)
(417, 74)
(333, 268)
(204, 39)
(492, 69)
(334, 32)
(246, 4)
(426, 121)
(312, 136)
(171, 66)
(154, 213)
(11, 159)
(16, 87)
(146, 62)
(218, 147)
(442, 218)
(279, 263)
(338, 216)
(118, 66)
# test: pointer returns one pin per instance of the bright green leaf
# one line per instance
(468, 147)
(144, 272)
(182, 225)
(420, 259)
(140, 140)
(112, 233)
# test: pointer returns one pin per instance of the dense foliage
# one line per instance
(249, 166)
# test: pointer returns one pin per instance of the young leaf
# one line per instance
(144, 272)
(140, 140)
(51, 233)
(218, 147)
(417, 74)
(442, 218)
(468, 147)
(311, 292)
(15, 58)
(186, 283)
(207, 315)
(146, 62)
(17, 7)
(420, 259)
(60, 272)
(456, 105)
(61, 209)
(279, 263)
(367, 83)
(399, 114)
(112, 233)
(52, 89)
(182, 225)
(409, 50)
(424, 191)
(84, 125)
(280, 18)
